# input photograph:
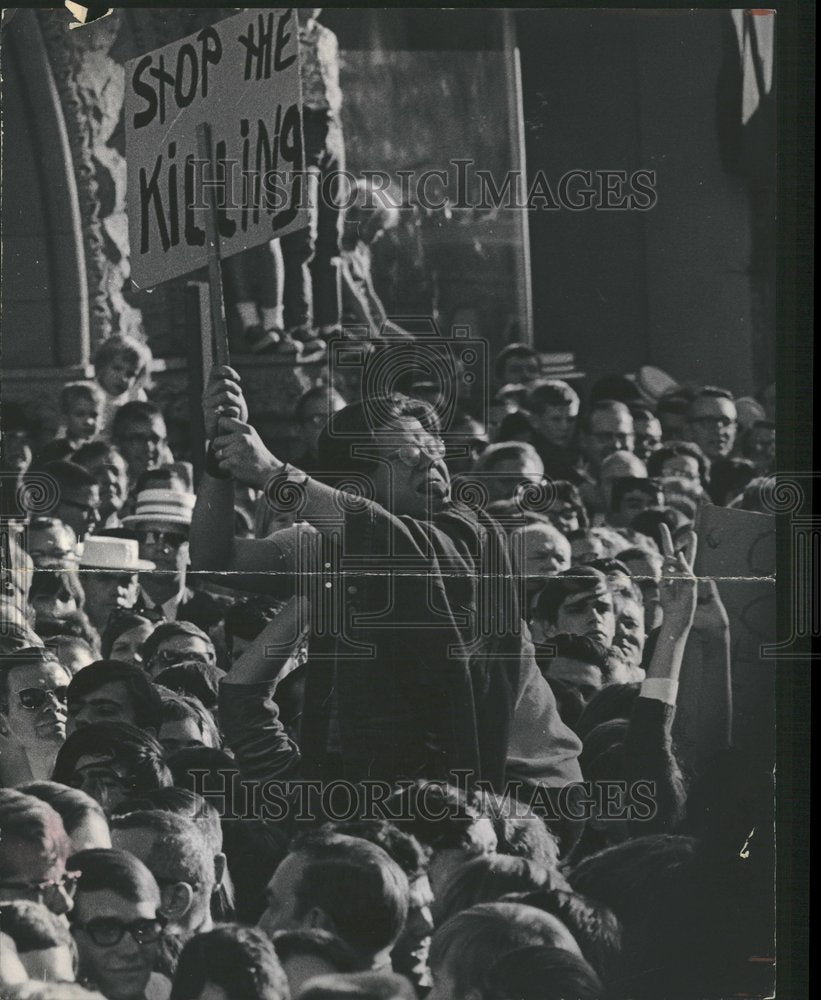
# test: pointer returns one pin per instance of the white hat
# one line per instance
(120, 555)
(171, 506)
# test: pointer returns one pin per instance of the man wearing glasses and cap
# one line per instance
(417, 679)
(161, 523)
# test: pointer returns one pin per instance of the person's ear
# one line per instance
(220, 865)
(177, 900)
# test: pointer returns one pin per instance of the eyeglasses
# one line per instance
(34, 698)
(171, 657)
(414, 455)
(174, 539)
(51, 893)
(106, 932)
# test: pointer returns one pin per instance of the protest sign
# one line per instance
(736, 549)
(240, 79)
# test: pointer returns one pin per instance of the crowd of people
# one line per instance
(407, 715)
(398, 704)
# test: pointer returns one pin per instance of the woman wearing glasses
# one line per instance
(33, 690)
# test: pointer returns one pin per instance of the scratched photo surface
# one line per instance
(389, 497)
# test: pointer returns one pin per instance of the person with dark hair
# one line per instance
(139, 433)
(43, 941)
(175, 851)
(487, 879)
(516, 364)
(54, 594)
(33, 852)
(644, 566)
(232, 962)
(33, 692)
(359, 986)
(647, 428)
(51, 544)
(172, 643)
(712, 421)
(758, 445)
(594, 926)
(481, 706)
(244, 621)
(536, 973)
(576, 602)
(110, 691)
(344, 885)
(729, 477)
(607, 427)
(646, 882)
(682, 460)
(671, 411)
(312, 411)
(16, 452)
(116, 923)
(565, 507)
(520, 832)
(410, 953)
(651, 521)
(446, 823)
(575, 659)
(553, 409)
(111, 761)
(188, 804)
(506, 468)
(109, 468)
(78, 503)
(124, 636)
(186, 723)
(468, 946)
(74, 651)
(629, 496)
(193, 680)
(83, 817)
(305, 954)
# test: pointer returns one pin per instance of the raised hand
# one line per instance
(240, 451)
(222, 398)
(678, 583)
